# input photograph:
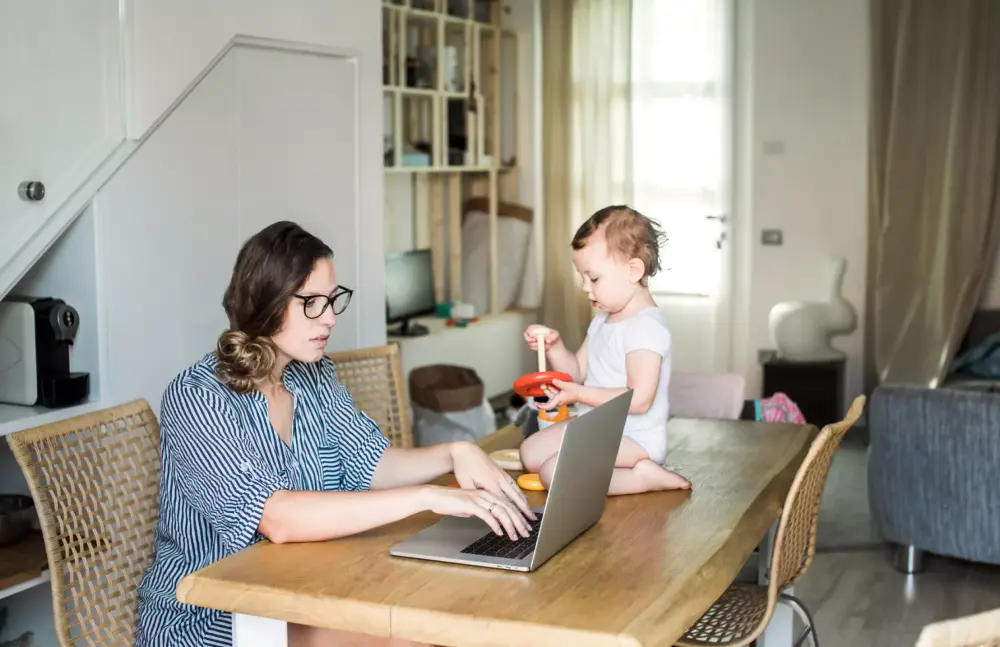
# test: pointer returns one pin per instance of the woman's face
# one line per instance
(301, 337)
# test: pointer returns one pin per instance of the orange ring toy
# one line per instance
(530, 385)
(530, 482)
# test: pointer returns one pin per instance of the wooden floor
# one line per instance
(859, 600)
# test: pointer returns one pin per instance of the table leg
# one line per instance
(780, 630)
(254, 631)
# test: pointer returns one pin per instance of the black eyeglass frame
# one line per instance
(307, 299)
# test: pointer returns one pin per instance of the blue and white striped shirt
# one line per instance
(221, 460)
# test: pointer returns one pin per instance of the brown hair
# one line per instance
(271, 267)
(629, 234)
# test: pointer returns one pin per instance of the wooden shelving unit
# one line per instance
(451, 122)
(23, 564)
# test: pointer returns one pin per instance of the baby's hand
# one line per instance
(551, 338)
(560, 393)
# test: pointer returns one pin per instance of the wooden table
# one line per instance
(641, 576)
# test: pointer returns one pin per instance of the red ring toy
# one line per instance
(530, 385)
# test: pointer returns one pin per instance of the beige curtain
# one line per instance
(586, 135)
(934, 214)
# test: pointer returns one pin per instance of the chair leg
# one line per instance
(909, 559)
(797, 605)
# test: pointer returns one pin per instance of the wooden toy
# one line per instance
(530, 482)
(530, 385)
(508, 459)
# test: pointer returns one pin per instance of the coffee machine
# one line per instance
(36, 336)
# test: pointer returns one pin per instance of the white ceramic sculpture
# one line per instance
(802, 330)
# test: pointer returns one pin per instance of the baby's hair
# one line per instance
(629, 234)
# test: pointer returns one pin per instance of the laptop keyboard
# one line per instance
(494, 545)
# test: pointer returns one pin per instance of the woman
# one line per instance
(260, 440)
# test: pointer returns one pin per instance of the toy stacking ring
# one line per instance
(530, 482)
(508, 459)
(530, 385)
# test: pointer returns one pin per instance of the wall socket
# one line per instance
(771, 237)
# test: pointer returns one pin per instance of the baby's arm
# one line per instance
(647, 346)
(642, 369)
(564, 360)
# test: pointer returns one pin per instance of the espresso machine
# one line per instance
(36, 336)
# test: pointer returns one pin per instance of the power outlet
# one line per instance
(771, 237)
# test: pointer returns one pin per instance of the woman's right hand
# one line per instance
(499, 514)
(551, 339)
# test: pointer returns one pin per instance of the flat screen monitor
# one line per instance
(409, 290)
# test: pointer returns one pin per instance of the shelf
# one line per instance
(66, 271)
(23, 565)
(424, 92)
(445, 10)
(15, 418)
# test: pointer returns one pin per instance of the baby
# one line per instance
(627, 345)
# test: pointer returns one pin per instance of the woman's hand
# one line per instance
(560, 393)
(496, 511)
(551, 340)
(474, 469)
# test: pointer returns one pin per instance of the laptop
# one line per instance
(575, 502)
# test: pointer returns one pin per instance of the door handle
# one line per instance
(31, 190)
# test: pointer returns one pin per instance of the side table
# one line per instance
(816, 386)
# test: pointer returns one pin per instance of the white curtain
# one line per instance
(587, 138)
(681, 106)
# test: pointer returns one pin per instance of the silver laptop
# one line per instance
(574, 503)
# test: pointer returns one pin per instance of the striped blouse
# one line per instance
(221, 460)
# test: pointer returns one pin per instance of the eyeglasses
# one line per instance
(315, 305)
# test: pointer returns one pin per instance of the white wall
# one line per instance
(269, 134)
(802, 131)
(245, 113)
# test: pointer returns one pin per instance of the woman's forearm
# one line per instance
(402, 467)
(300, 516)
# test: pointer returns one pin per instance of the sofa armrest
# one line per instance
(934, 469)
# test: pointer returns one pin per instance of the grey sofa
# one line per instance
(934, 472)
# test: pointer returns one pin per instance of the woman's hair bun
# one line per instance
(244, 362)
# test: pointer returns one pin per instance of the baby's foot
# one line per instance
(656, 477)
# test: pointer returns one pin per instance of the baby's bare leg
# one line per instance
(541, 446)
(644, 475)
(634, 472)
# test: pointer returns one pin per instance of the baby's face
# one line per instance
(609, 281)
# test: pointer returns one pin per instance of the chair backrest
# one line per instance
(706, 395)
(95, 481)
(374, 378)
(795, 542)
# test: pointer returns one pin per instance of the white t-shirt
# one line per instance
(608, 344)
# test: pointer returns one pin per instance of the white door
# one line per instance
(682, 151)
(60, 106)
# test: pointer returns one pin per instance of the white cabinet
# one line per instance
(60, 112)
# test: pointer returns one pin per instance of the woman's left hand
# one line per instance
(474, 469)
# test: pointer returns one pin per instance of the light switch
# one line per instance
(771, 237)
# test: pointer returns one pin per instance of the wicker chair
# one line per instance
(743, 611)
(95, 480)
(374, 378)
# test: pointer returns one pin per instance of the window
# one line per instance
(681, 107)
